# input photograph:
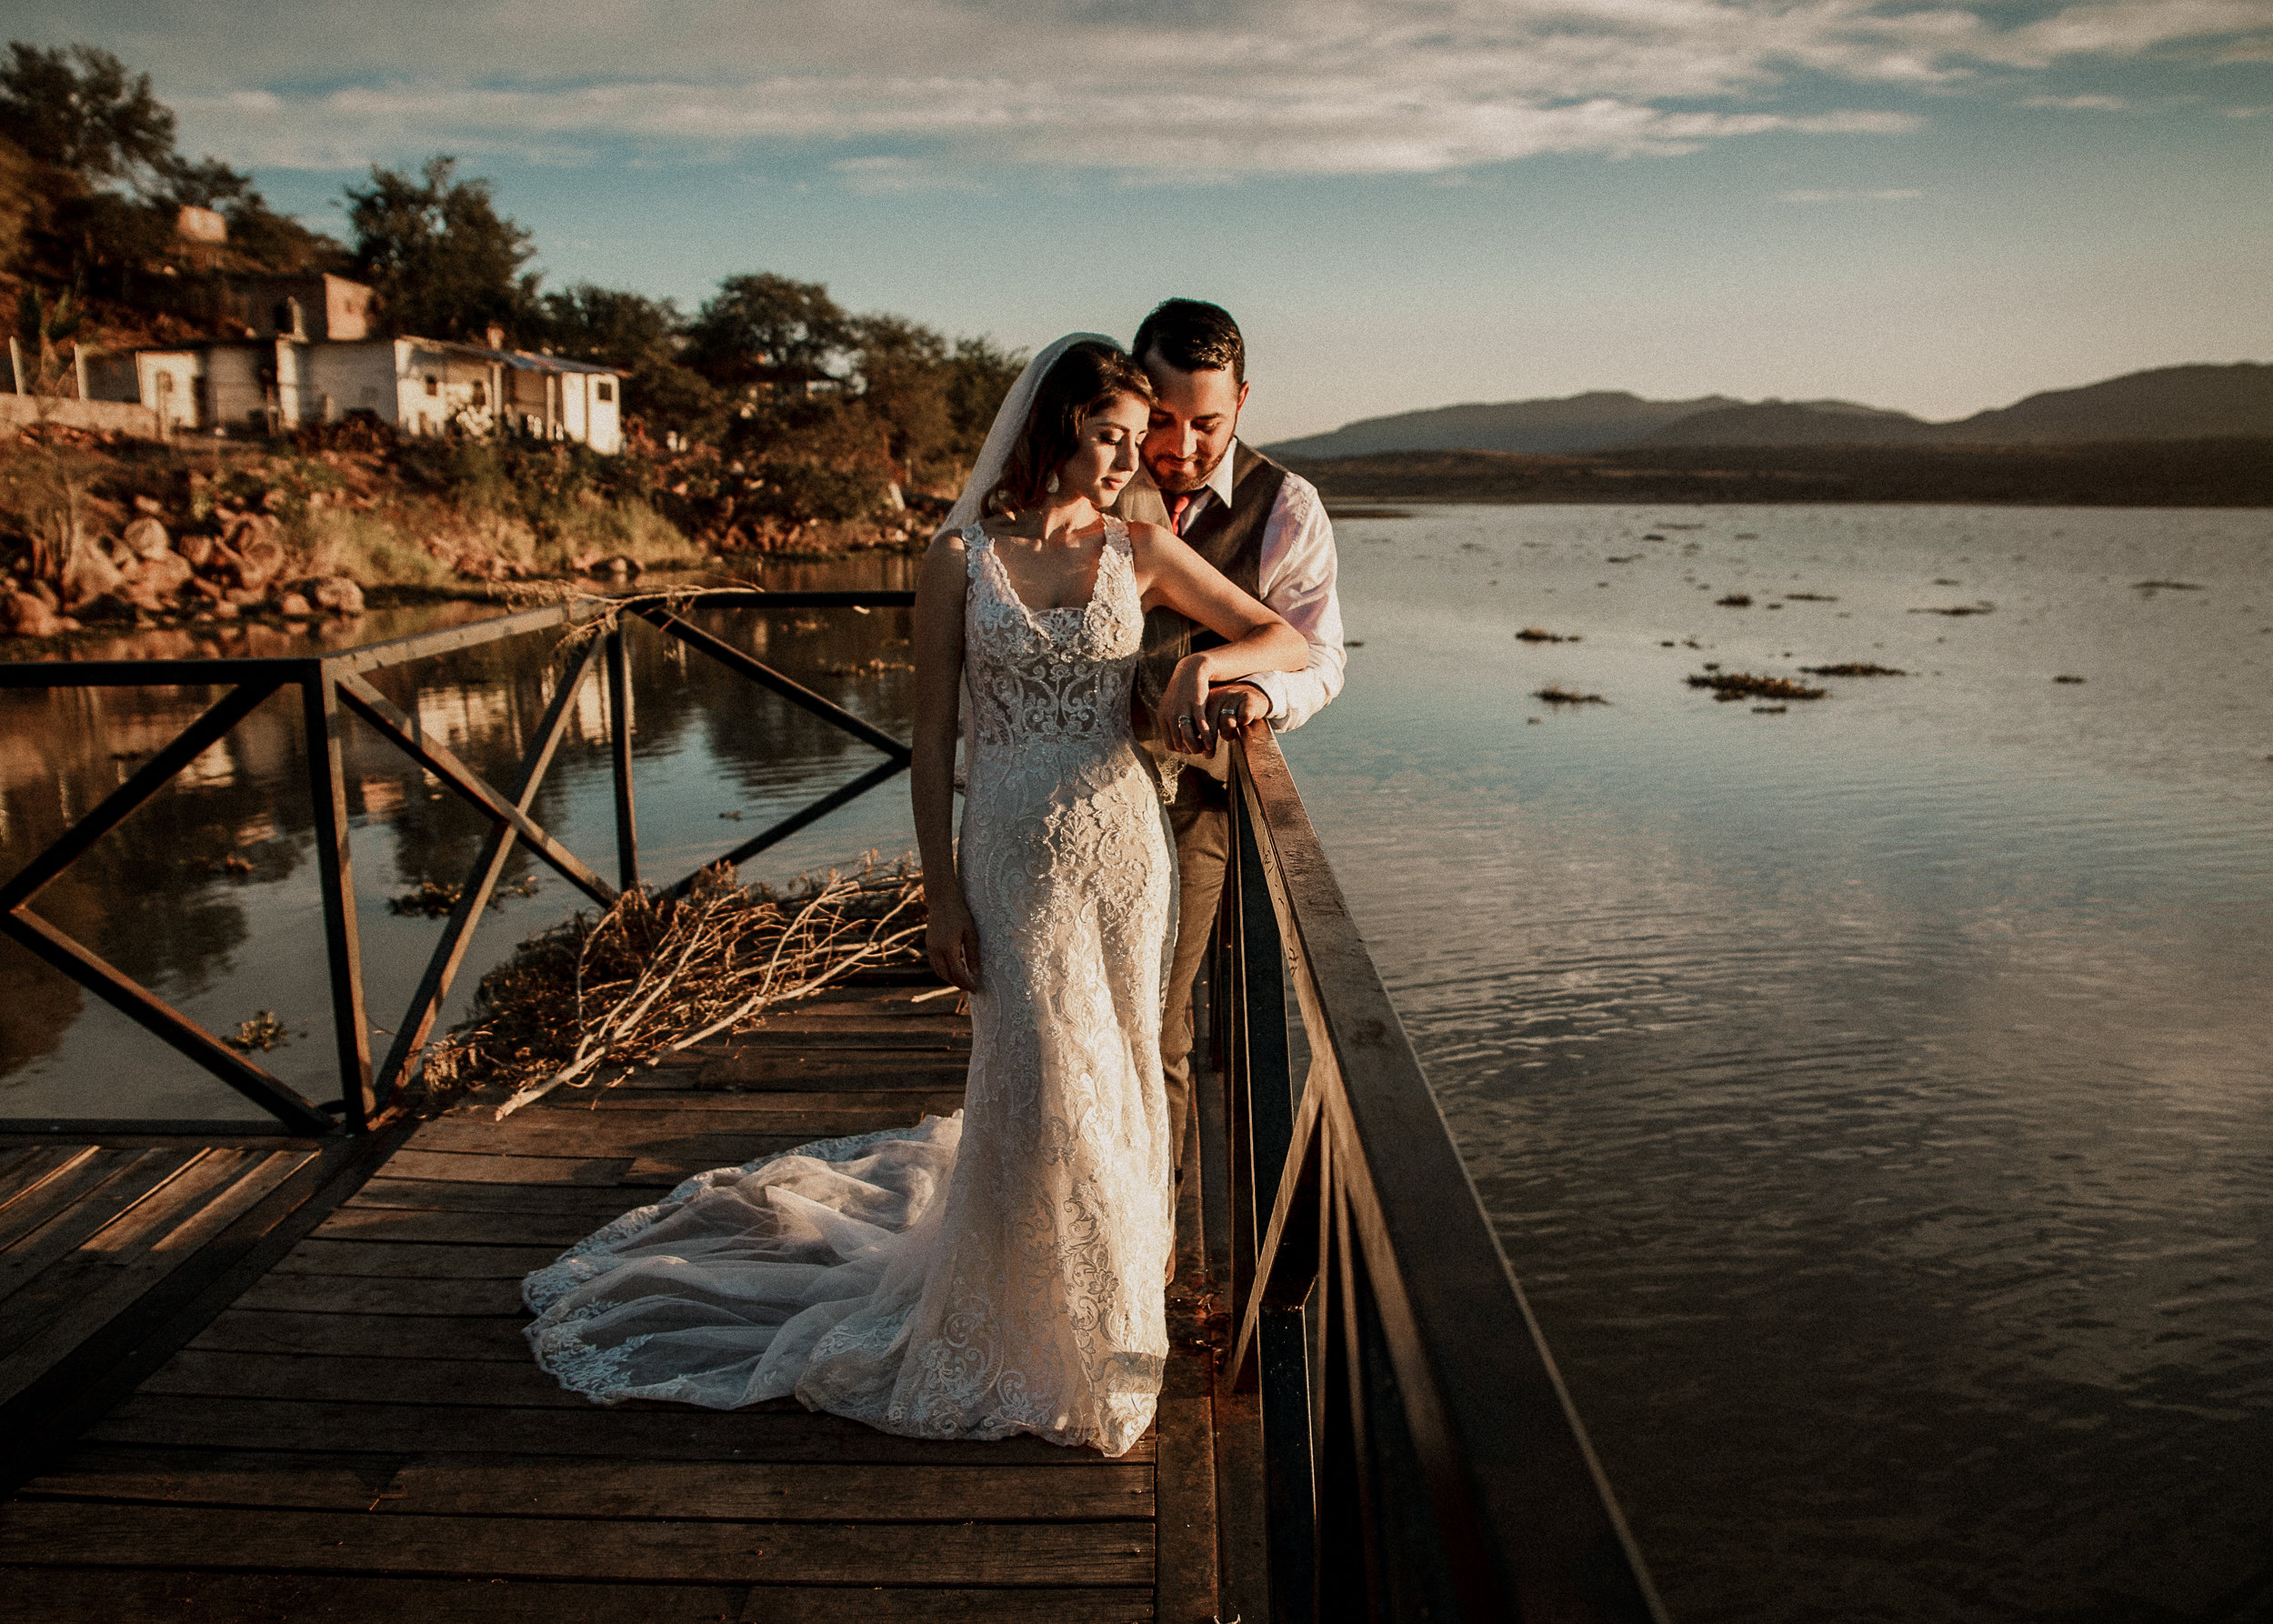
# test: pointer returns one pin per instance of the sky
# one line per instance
(1935, 205)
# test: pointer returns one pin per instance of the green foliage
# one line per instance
(766, 334)
(444, 262)
(79, 111)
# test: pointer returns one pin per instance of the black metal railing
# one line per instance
(330, 687)
(1420, 1458)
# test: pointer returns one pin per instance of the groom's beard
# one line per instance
(1177, 482)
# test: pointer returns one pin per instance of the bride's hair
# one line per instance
(1085, 380)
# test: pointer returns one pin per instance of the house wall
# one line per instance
(340, 378)
(110, 375)
(605, 431)
(105, 417)
(170, 384)
(236, 383)
(346, 310)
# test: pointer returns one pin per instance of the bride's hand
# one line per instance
(1185, 728)
(951, 942)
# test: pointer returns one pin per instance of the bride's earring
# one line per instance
(1052, 485)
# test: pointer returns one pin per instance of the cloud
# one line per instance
(2078, 104)
(1241, 88)
(1892, 195)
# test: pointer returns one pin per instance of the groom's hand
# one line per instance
(1232, 706)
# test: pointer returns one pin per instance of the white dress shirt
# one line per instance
(1295, 577)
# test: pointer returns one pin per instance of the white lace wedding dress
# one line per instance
(1000, 1270)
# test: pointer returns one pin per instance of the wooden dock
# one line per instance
(264, 1378)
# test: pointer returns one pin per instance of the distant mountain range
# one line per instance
(2169, 403)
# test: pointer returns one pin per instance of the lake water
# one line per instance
(1872, 1095)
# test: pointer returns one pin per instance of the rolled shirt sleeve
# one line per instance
(1295, 574)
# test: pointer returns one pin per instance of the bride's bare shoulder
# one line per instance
(1145, 536)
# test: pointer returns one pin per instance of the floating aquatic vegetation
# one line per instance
(1533, 634)
(1811, 598)
(1555, 693)
(1854, 669)
(1734, 600)
(1770, 710)
(1742, 685)
(431, 901)
(2151, 587)
(264, 1032)
(2067, 680)
(1956, 610)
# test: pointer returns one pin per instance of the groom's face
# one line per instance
(1194, 416)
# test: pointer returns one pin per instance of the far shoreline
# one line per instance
(2173, 474)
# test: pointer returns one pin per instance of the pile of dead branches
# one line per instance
(593, 1000)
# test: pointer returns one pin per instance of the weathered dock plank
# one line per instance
(298, 1598)
(495, 1486)
(1007, 1554)
(784, 1432)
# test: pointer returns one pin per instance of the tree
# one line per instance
(444, 262)
(979, 374)
(764, 334)
(902, 371)
(91, 121)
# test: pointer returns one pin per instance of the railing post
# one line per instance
(1255, 1051)
(619, 751)
(328, 796)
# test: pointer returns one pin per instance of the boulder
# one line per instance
(24, 616)
(198, 550)
(146, 537)
(293, 607)
(163, 573)
(245, 598)
(45, 592)
(335, 594)
(146, 593)
(259, 552)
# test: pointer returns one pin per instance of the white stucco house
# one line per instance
(418, 385)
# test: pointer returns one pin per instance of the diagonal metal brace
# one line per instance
(165, 1022)
(405, 730)
(449, 952)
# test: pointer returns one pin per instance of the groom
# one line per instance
(1266, 529)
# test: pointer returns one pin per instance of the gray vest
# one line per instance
(1230, 538)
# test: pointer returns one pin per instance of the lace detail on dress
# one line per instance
(994, 1272)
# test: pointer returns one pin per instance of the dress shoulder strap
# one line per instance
(974, 537)
(1116, 534)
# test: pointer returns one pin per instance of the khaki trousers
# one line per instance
(1201, 818)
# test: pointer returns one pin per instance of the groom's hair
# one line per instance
(1193, 336)
(1088, 377)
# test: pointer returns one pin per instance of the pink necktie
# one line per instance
(1176, 512)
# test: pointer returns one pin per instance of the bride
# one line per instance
(1000, 1270)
